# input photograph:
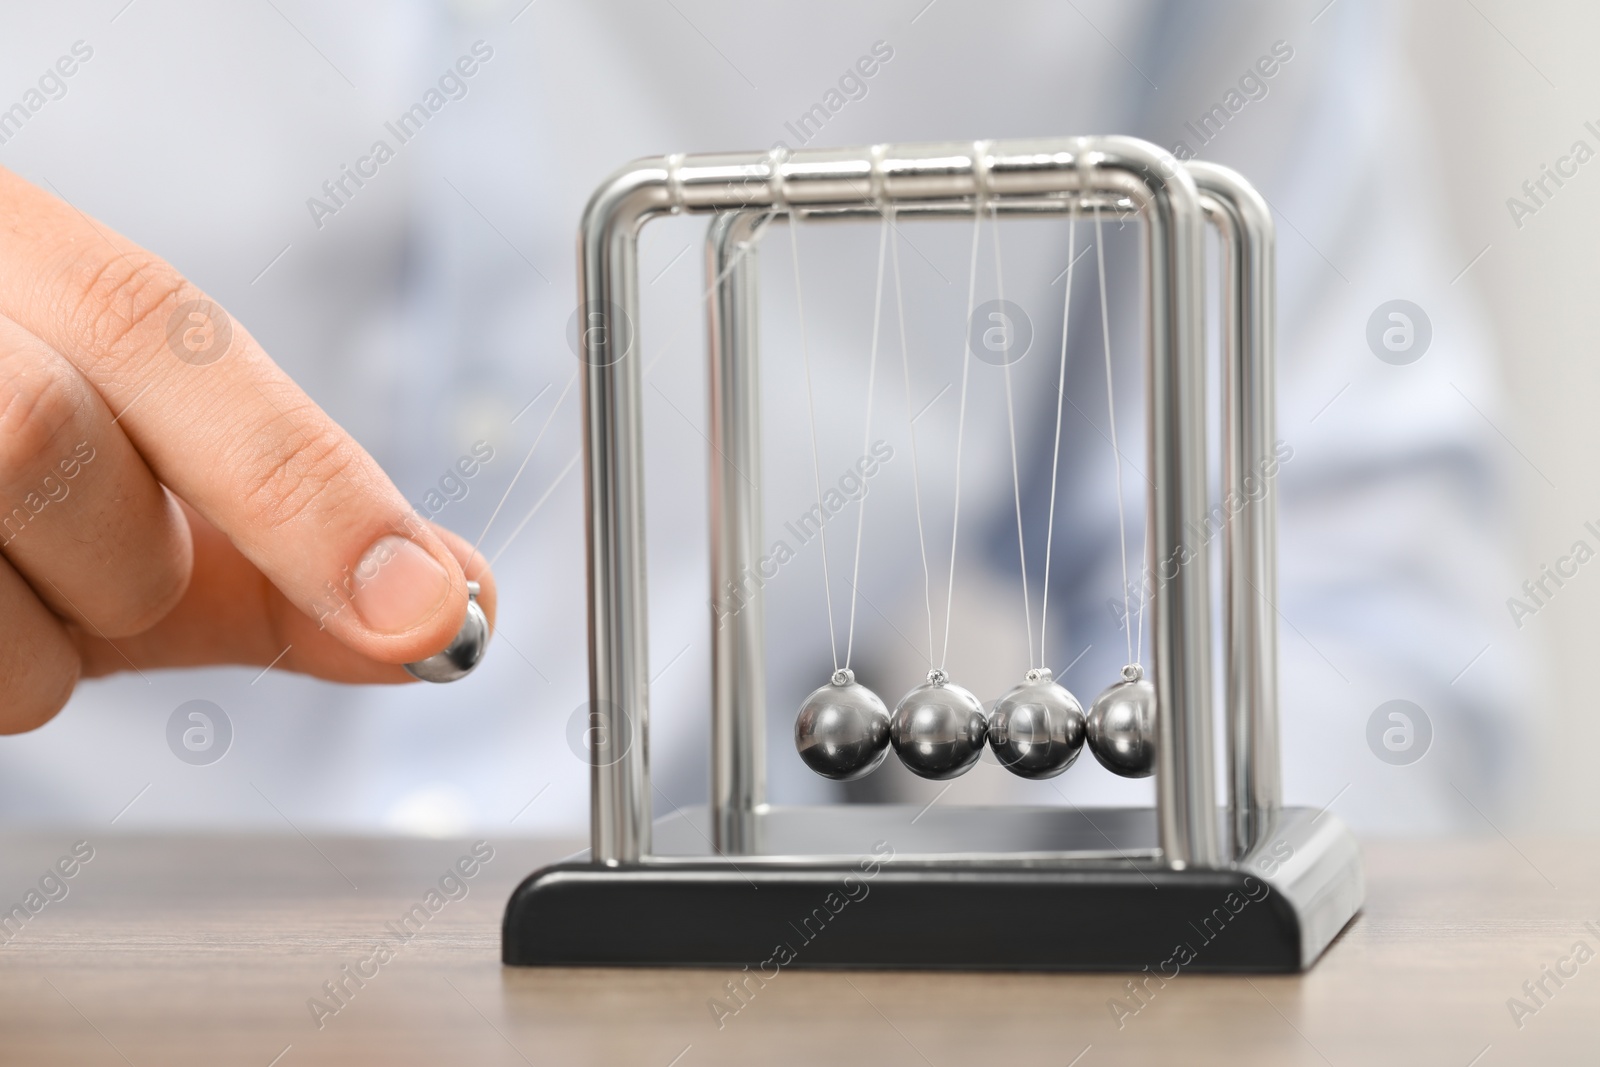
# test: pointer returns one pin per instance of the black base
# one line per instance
(968, 888)
(931, 917)
(1276, 911)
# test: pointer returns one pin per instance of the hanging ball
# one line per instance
(938, 729)
(1122, 726)
(842, 731)
(465, 650)
(1036, 730)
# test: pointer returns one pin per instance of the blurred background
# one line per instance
(427, 307)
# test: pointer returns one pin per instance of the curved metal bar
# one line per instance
(1249, 507)
(738, 651)
(613, 486)
(981, 174)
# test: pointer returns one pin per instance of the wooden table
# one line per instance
(207, 950)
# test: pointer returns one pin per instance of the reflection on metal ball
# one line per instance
(1122, 726)
(938, 729)
(842, 731)
(1036, 730)
(463, 653)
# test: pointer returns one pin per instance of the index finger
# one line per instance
(228, 431)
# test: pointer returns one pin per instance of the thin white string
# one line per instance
(1011, 427)
(1144, 556)
(911, 425)
(1138, 653)
(866, 435)
(525, 459)
(961, 423)
(554, 485)
(733, 261)
(1055, 454)
(1111, 408)
(811, 410)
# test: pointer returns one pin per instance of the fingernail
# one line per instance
(398, 585)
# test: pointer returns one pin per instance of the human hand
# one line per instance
(170, 498)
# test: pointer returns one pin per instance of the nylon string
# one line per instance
(1011, 428)
(961, 423)
(911, 426)
(811, 410)
(866, 434)
(1116, 454)
(1055, 454)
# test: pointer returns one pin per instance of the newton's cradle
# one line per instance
(1249, 885)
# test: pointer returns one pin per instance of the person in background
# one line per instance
(419, 294)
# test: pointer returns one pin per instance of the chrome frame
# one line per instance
(1048, 177)
(1250, 540)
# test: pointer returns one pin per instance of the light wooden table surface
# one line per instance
(206, 950)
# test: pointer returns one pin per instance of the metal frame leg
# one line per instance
(1244, 223)
(738, 651)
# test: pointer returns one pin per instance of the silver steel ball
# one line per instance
(1122, 726)
(938, 729)
(1036, 730)
(842, 731)
(465, 650)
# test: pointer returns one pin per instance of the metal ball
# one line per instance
(1122, 726)
(464, 651)
(842, 731)
(1036, 730)
(938, 729)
